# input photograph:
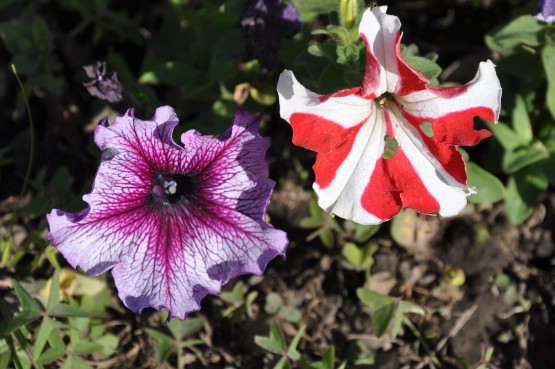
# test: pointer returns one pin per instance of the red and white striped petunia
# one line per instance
(350, 129)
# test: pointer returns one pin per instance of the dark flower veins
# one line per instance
(173, 223)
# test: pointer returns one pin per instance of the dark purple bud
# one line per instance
(103, 84)
(265, 23)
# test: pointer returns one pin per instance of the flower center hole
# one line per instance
(384, 99)
(169, 188)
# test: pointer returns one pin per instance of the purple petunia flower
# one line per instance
(172, 223)
(265, 23)
(103, 85)
(545, 11)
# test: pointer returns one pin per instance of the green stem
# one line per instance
(8, 245)
(416, 332)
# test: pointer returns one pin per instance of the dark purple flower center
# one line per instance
(170, 188)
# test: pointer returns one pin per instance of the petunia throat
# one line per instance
(170, 188)
(388, 100)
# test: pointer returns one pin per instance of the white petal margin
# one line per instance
(346, 111)
(343, 196)
(448, 192)
(483, 90)
(380, 31)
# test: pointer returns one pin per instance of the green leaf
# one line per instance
(403, 308)
(309, 222)
(292, 351)
(87, 286)
(325, 50)
(222, 67)
(177, 73)
(364, 232)
(523, 30)
(548, 59)
(4, 3)
(86, 347)
(328, 360)
(24, 318)
(282, 364)
(96, 305)
(310, 8)
(521, 157)
(508, 138)
(326, 236)
(190, 343)
(347, 54)
(54, 296)
(521, 120)
(489, 188)
(354, 255)
(523, 190)
(380, 306)
(427, 128)
(38, 206)
(236, 294)
(488, 354)
(75, 363)
(273, 303)
(391, 147)
(46, 328)
(291, 314)
(331, 80)
(50, 355)
(163, 346)
(425, 66)
(66, 311)
(185, 328)
(109, 345)
(275, 342)
(403, 226)
(30, 311)
(56, 342)
(550, 101)
(27, 302)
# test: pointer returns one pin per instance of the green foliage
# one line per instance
(58, 322)
(177, 340)
(323, 222)
(31, 43)
(488, 187)
(275, 343)
(524, 30)
(275, 305)
(387, 312)
(526, 145)
(240, 303)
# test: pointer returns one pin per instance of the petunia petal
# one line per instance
(545, 11)
(386, 70)
(170, 256)
(320, 124)
(451, 109)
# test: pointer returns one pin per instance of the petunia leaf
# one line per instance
(523, 30)
(523, 190)
(488, 187)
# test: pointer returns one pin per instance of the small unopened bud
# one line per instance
(348, 11)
